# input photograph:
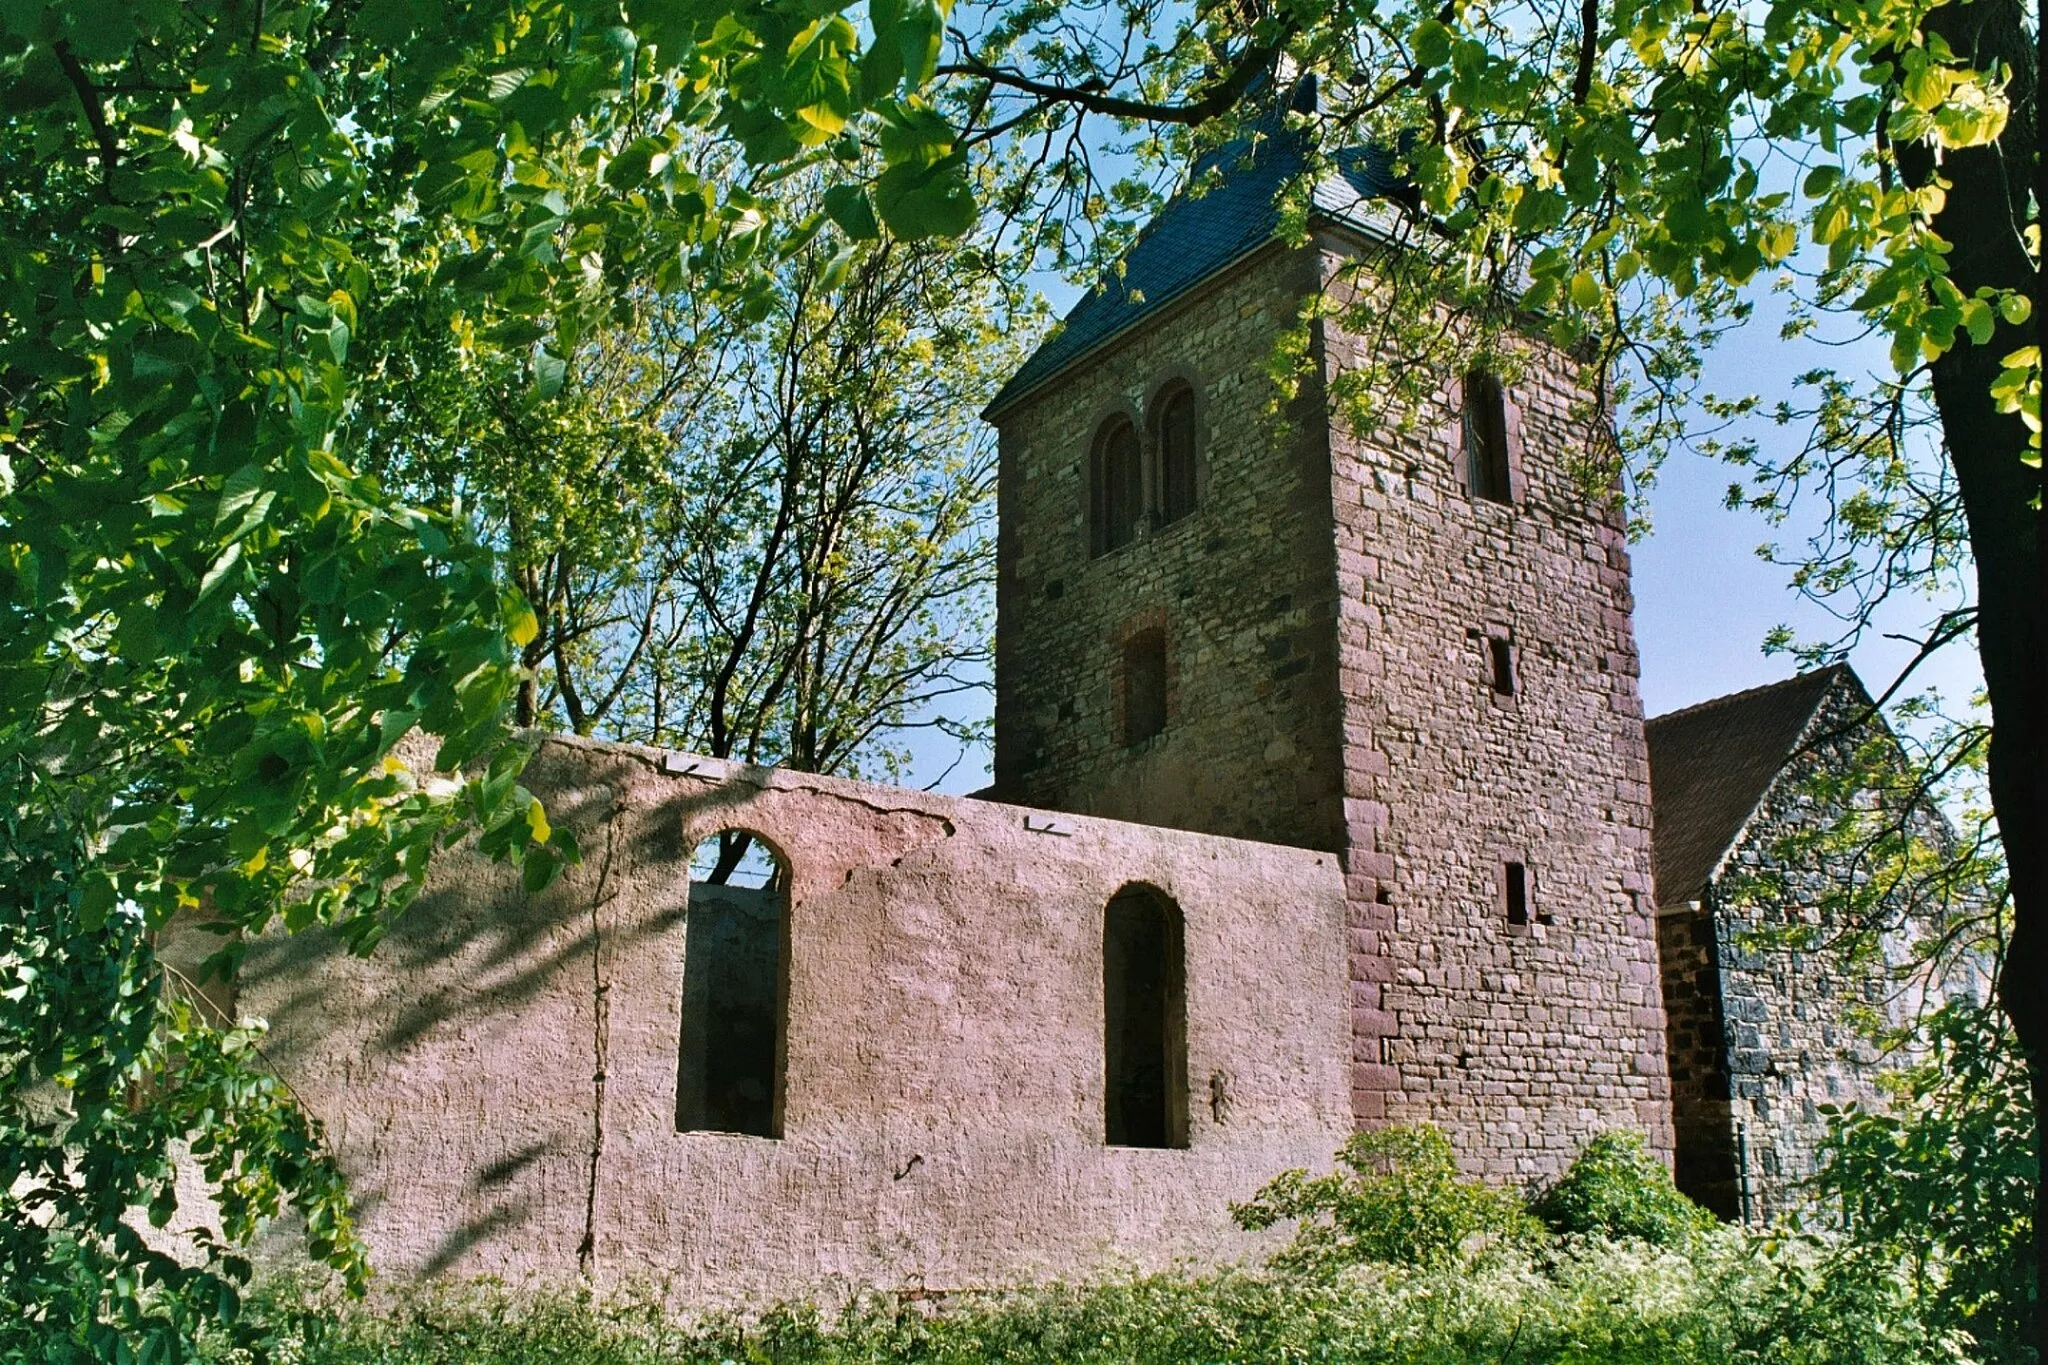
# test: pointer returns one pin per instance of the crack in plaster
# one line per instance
(600, 1043)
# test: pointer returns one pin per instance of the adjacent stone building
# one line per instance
(1322, 800)
(1770, 1018)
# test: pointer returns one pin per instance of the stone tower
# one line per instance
(1222, 612)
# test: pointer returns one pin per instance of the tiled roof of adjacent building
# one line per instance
(1710, 766)
(1201, 231)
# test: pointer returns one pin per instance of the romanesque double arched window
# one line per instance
(1117, 484)
(1173, 444)
(1149, 478)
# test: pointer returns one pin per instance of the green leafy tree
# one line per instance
(1943, 1182)
(759, 530)
(214, 627)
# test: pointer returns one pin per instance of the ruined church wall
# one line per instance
(500, 1078)
(1522, 1041)
(1242, 586)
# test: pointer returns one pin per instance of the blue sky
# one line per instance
(1704, 600)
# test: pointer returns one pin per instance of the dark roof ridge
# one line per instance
(1714, 764)
(1225, 210)
(1730, 698)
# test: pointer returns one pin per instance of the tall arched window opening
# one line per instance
(1117, 485)
(1486, 437)
(1173, 435)
(729, 1072)
(1144, 1005)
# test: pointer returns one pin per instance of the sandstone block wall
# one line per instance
(1523, 1040)
(1243, 587)
(500, 1077)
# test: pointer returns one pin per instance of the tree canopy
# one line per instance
(234, 232)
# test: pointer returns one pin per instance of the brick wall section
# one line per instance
(1242, 587)
(1523, 1041)
(1790, 1044)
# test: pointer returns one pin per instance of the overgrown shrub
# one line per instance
(1942, 1184)
(1618, 1189)
(1400, 1201)
(1395, 1261)
(1732, 1299)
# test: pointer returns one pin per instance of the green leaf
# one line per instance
(918, 202)
(1432, 43)
(1979, 321)
(217, 573)
(848, 206)
(1820, 180)
(549, 372)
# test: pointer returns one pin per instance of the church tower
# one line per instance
(1223, 610)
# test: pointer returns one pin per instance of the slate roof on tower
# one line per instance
(1199, 233)
(1711, 766)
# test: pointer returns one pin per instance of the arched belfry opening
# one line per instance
(735, 992)
(1144, 1009)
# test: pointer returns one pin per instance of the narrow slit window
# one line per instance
(1144, 686)
(1486, 437)
(729, 1072)
(1144, 998)
(1501, 655)
(1515, 889)
(1117, 485)
(1174, 434)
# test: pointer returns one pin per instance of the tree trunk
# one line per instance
(1983, 218)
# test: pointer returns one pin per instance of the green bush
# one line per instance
(1941, 1183)
(1402, 1203)
(1732, 1299)
(1395, 1260)
(1617, 1189)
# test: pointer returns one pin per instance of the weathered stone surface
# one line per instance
(500, 1079)
(1327, 608)
(1764, 1031)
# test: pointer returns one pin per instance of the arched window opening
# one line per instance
(1144, 1001)
(1173, 434)
(1486, 437)
(1117, 484)
(729, 1071)
(1144, 689)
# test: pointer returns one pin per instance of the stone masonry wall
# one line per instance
(1326, 613)
(1242, 587)
(1791, 1043)
(1703, 1124)
(500, 1078)
(1521, 1040)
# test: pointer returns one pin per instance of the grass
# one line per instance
(1727, 1298)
